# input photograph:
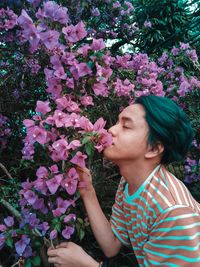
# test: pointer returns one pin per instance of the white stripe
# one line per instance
(174, 187)
(161, 182)
(161, 195)
(183, 193)
(189, 196)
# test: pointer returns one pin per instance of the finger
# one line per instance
(62, 245)
(52, 252)
(53, 260)
(56, 265)
(81, 185)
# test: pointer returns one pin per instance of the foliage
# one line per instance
(60, 79)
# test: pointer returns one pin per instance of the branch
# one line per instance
(6, 171)
(9, 207)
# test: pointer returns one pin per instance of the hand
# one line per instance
(85, 185)
(69, 254)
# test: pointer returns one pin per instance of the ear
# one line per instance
(154, 151)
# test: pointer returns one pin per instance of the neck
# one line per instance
(136, 174)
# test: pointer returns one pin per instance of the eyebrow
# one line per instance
(126, 119)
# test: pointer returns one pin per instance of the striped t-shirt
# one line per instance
(160, 221)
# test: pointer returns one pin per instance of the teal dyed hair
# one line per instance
(169, 125)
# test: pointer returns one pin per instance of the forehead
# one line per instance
(134, 112)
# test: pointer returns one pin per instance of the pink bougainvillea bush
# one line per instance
(85, 88)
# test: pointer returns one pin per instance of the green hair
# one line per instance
(169, 125)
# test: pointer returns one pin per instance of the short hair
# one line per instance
(169, 125)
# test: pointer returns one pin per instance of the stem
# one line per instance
(6, 171)
(9, 207)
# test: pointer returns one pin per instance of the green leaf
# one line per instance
(89, 148)
(36, 261)
(28, 263)
(85, 140)
(9, 242)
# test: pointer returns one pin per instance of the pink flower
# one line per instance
(69, 217)
(80, 70)
(75, 33)
(104, 141)
(50, 39)
(74, 144)
(67, 232)
(42, 172)
(66, 103)
(30, 196)
(43, 107)
(87, 101)
(71, 182)
(40, 135)
(60, 73)
(62, 206)
(28, 123)
(97, 44)
(53, 234)
(100, 89)
(54, 183)
(85, 124)
(79, 159)
(60, 149)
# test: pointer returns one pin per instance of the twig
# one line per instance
(8, 206)
(6, 171)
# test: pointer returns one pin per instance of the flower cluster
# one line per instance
(8, 19)
(5, 131)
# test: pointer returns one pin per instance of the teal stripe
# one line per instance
(161, 182)
(177, 218)
(119, 237)
(176, 256)
(165, 263)
(171, 237)
(176, 228)
(175, 247)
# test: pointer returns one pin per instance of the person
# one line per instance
(153, 213)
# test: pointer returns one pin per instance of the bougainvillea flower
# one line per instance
(50, 39)
(69, 217)
(53, 234)
(79, 159)
(30, 196)
(21, 245)
(54, 183)
(28, 123)
(74, 144)
(75, 33)
(9, 221)
(40, 135)
(42, 172)
(54, 168)
(40, 185)
(2, 240)
(80, 70)
(60, 147)
(43, 107)
(87, 101)
(67, 232)
(62, 206)
(97, 44)
(101, 89)
(2, 228)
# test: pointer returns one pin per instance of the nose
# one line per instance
(112, 130)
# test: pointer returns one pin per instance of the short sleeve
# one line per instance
(174, 239)
(117, 221)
